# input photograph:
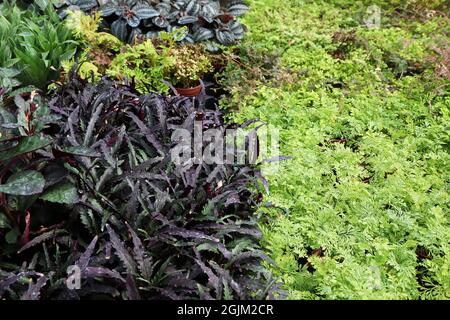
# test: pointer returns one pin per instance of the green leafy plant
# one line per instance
(34, 43)
(147, 63)
(361, 210)
(206, 20)
(144, 65)
(98, 49)
(189, 65)
(8, 80)
(29, 175)
(10, 17)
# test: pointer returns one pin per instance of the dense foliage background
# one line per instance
(359, 208)
(87, 178)
(362, 211)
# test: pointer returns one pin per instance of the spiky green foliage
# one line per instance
(34, 42)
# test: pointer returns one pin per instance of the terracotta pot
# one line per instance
(225, 18)
(190, 92)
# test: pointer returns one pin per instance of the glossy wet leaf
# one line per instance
(12, 235)
(61, 193)
(24, 183)
(80, 151)
(25, 145)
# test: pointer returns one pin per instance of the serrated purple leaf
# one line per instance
(121, 251)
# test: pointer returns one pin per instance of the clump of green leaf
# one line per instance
(8, 80)
(31, 180)
(361, 210)
(189, 65)
(34, 42)
(147, 64)
(143, 64)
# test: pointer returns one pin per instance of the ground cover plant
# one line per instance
(361, 212)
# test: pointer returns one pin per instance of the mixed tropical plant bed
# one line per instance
(149, 64)
(362, 209)
(87, 177)
(212, 21)
(99, 201)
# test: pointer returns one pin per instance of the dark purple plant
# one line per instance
(144, 228)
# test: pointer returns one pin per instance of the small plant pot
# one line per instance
(225, 18)
(190, 92)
